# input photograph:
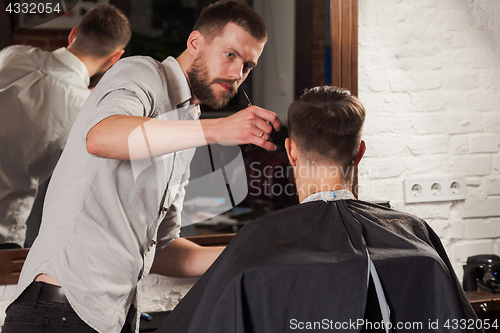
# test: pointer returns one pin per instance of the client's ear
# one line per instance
(361, 152)
(291, 151)
(72, 36)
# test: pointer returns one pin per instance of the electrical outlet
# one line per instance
(435, 188)
(430, 189)
(415, 190)
(456, 187)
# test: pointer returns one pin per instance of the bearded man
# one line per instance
(110, 217)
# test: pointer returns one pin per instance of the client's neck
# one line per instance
(313, 177)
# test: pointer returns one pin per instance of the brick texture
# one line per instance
(432, 97)
(483, 228)
(493, 186)
(465, 249)
(47, 40)
(484, 143)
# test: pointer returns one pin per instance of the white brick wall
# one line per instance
(482, 228)
(493, 184)
(428, 77)
(484, 143)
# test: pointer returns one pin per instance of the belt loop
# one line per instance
(38, 286)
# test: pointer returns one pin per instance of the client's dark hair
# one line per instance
(103, 29)
(326, 124)
(214, 18)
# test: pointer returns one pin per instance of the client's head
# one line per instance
(324, 144)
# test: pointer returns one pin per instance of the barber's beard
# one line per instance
(201, 86)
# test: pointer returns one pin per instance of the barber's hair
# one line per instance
(326, 124)
(214, 18)
(102, 31)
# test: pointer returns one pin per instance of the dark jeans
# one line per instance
(38, 316)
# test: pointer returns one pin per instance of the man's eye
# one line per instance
(248, 67)
(229, 54)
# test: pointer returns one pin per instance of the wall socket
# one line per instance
(431, 189)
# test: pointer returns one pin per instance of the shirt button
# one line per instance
(164, 209)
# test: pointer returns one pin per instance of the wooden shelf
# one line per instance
(11, 262)
(483, 301)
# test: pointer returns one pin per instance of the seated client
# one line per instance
(332, 262)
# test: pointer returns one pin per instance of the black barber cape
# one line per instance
(304, 268)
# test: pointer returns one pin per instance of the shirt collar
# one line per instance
(193, 113)
(329, 196)
(72, 61)
(177, 81)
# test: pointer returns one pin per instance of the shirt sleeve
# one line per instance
(132, 87)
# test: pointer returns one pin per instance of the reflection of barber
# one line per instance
(103, 225)
(41, 94)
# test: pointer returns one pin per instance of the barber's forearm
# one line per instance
(131, 137)
(183, 258)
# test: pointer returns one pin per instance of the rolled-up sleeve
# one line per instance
(128, 88)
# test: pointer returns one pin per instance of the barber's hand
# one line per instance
(251, 125)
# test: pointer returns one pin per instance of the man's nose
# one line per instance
(236, 71)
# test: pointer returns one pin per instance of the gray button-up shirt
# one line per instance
(41, 94)
(102, 216)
